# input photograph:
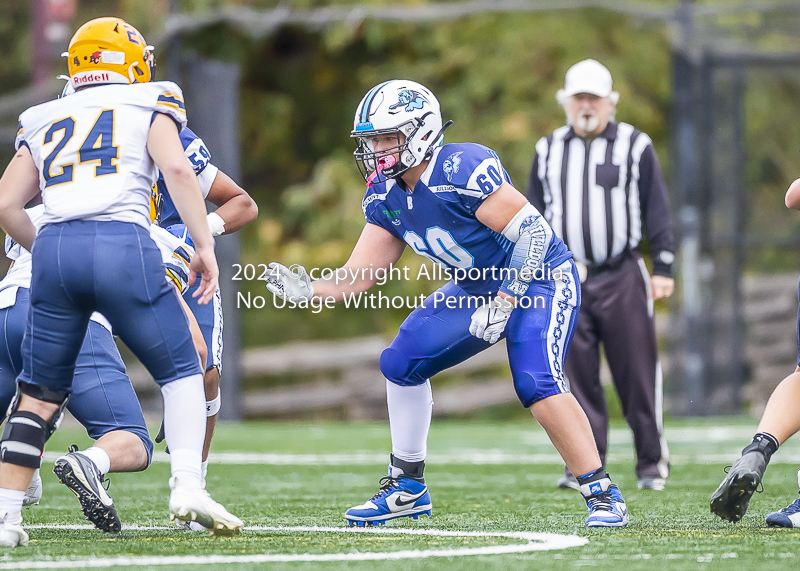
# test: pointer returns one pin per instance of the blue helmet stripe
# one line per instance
(368, 101)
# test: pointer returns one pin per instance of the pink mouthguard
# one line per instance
(383, 163)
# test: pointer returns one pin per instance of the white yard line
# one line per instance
(532, 542)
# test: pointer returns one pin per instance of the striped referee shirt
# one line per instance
(599, 194)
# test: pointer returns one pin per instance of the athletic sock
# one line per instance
(410, 410)
(99, 457)
(11, 505)
(185, 427)
(204, 469)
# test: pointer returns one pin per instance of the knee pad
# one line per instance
(398, 369)
(23, 439)
(25, 432)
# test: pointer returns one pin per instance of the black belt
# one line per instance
(610, 265)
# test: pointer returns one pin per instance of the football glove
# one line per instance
(489, 321)
(292, 283)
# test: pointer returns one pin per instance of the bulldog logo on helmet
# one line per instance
(410, 100)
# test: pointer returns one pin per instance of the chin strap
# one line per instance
(439, 136)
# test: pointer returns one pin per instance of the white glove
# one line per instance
(489, 320)
(289, 283)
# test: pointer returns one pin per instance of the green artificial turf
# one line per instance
(316, 471)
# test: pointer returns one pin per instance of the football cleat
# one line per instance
(397, 497)
(657, 484)
(732, 497)
(34, 492)
(788, 516)
(81, 476)
(196, 505)
(12, 534)
(606, 506)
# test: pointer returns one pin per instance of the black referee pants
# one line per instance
(615, 312)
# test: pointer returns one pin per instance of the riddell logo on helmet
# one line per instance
(90, 78)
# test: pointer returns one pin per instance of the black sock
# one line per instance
(764, 443)
(590, 477)
(411, 470)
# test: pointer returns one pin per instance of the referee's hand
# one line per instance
(662, 286)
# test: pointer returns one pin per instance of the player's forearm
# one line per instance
(17, 224)
(342, 285)
(18, 185)
(237, 213)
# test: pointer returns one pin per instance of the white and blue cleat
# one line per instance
(606, 506)
(788, 516)
(398, 497)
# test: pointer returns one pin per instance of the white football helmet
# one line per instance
(396, 106)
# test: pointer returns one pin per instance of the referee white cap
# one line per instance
(587, 76)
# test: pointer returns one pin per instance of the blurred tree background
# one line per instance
(496, 75)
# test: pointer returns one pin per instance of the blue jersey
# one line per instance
(198, 155)
(438, 218)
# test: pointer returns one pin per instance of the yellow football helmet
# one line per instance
(109, 50)
(156, 205)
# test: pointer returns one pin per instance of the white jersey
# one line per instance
(175, 253)
(91, 150)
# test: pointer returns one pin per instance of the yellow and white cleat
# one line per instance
(188, 504)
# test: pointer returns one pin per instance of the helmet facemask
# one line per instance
(377, 167)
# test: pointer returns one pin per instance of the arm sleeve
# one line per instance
(532, 236)
(655, 212)
(535, 191)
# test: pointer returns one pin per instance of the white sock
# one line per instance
(99, 457)
(409, 419)
(185, 427)
(204, 469)
(11, 505)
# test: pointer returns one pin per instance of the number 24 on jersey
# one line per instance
(98, 147)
